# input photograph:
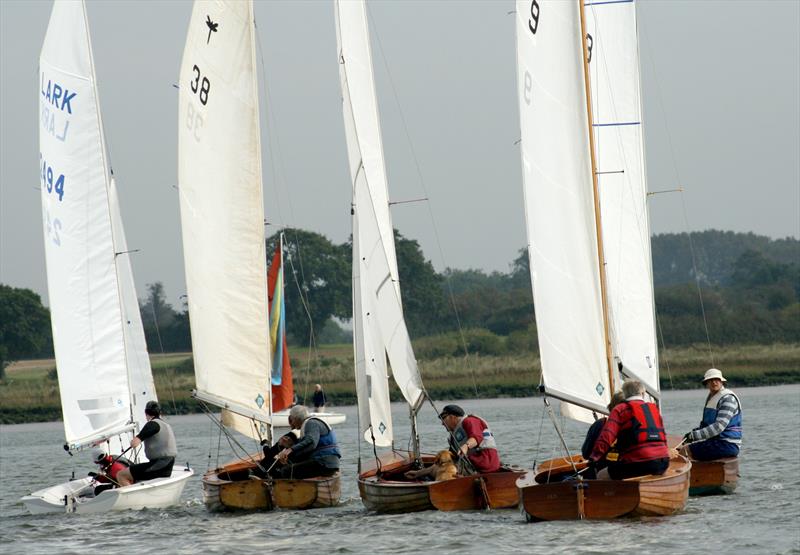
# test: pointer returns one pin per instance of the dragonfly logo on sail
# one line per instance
(212, 27)
(55, 101)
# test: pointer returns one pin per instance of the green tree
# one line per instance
(157, 317)
(425, 306)
(24, 326)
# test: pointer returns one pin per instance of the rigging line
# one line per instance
(305, 302)
(230, 439)
(271, 135)
(451, 295)
(683, 201)
(278, 172)
(664, 350)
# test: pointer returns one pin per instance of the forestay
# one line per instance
(97, 331)
(616, 107)
(377, 308)
(559, 204)
(222, 214)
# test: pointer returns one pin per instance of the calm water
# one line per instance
(762, 517)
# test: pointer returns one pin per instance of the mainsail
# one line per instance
(379, 326)
(222, 212)
(559, 203)
(97, 331)
(559, 198)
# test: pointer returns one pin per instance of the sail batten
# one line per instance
(222, 213)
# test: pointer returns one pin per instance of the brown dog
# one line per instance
(445, 467)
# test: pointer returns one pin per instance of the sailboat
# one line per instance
(589, 241)
(379, 327)
(282, 380)
(222, 221)
(104, 371)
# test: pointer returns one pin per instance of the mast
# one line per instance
(597, 217)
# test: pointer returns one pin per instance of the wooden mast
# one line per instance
(595, 189)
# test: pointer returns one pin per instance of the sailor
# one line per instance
(159, 448)
(594, 433)
(472, 438)
(286, 441)
(638, 430)
(110, 467)
(720, 432)
(316, 454)
(320, 399)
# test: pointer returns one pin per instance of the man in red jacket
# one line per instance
(638, 431)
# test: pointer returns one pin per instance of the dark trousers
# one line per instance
(622, 470)
(713, 448)
(305, 469)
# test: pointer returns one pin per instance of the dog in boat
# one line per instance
(443, 468)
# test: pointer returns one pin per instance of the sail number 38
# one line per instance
(201, 87)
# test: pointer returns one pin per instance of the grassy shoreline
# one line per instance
(30, 391)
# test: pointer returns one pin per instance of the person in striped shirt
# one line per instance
(720, 432)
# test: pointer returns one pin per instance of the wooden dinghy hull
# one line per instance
(602, 499)
(717, 477)
(391, 494)
(232, 487)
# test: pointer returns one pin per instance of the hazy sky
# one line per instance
(721, 94)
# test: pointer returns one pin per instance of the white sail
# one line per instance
(222, 213)
(377, 306)
(82, 266)
(616, 107)
(559, 204)
(140, 375)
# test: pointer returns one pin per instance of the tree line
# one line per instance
(741, 288)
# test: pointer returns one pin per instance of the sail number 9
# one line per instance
(49, 180)
(533, 22)
(200, 87)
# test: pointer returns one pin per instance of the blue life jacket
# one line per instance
(327, 442)
(733, 432)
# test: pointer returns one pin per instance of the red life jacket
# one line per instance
(645, 438)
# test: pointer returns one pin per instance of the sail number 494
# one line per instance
(50, 181)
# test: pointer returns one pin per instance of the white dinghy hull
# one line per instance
(152, 494)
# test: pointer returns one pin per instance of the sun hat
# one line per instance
(713, 373)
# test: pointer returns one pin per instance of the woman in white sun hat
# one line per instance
(720, 432)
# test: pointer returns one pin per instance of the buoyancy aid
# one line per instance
(733, 432)
(645, 439)
(487, 441)
(162, 444)
(326, 445)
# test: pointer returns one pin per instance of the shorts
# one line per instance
(157, 468)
